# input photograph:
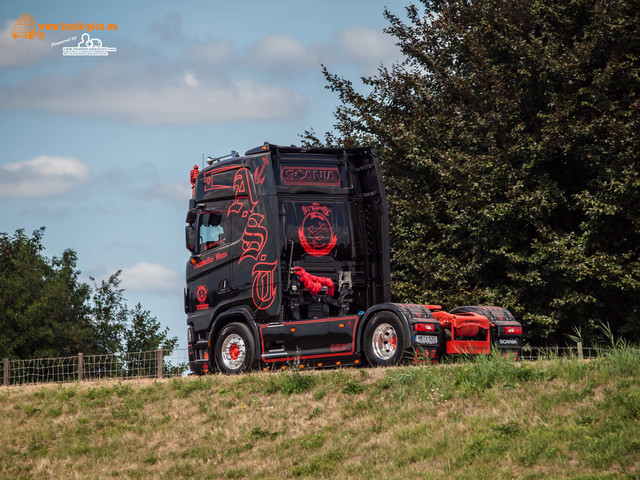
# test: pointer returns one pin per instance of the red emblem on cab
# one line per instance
(201, 296)
(315, 233)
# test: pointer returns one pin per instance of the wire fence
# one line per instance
(151, 364)
(172, 363)
(540, 353)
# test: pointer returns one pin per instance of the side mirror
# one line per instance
(190, 238)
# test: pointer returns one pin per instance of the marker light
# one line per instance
(424, 327)
(513, 330)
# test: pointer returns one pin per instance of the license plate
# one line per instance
(427, 339)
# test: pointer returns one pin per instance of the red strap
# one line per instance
(314, 283)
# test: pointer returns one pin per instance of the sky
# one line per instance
(98, 149)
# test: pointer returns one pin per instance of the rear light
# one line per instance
(424, 327)
(513, 330)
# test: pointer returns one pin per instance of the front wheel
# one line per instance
(384, 342)
(234, 348)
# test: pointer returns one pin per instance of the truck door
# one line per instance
(209, 277)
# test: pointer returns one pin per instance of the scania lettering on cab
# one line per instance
(290, 263)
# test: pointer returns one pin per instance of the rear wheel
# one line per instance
(233, 349)
(384, 342)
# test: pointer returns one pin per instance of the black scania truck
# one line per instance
(290, 264)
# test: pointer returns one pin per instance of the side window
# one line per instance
(212, 230)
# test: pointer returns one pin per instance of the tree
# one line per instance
(45, 311)
(119, 329)
(43, 306)
(144, 333)
(109, 314)
(509, 139)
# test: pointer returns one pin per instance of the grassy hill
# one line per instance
(492, 418)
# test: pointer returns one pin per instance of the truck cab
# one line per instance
(290, 263)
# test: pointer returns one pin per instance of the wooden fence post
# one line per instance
(5, 369)
(160, 363)
(80, 367)
(580, 352)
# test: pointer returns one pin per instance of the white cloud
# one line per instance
(178, 192)
(190, 79)
(282, 55)
(151, 277)
(21, 51)
(42, 176)
(214, 82)
(147, 96)
(217, 51)
(368, 45)
(281, 51)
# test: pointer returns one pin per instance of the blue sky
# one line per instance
(99, 149)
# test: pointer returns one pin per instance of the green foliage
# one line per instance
(145, 332)
(109, 314)
(43, 305)
(46, 311)
(509, 137)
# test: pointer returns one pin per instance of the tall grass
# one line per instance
(620, 357)
(484, 417)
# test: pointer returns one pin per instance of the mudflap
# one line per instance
(422, 355)
(428, 340)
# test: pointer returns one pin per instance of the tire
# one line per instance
(384, 340)
(234, 349)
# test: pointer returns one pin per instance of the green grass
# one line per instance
(481, 418)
